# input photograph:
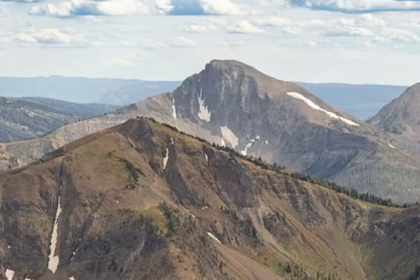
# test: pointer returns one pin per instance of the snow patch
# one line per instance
(204, 113)
(214, 237)
(223, 142)
(266, 142)
(54, 259)
(172, 141)
(316, 107)
(207, 158)
(173, 109)
(245, 151)
(165, 159)
(229, 136)
(74, 254)
(71, 278)
(391, 146)
(247, 146)
(9, 274)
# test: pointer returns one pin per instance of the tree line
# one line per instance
(304, 177)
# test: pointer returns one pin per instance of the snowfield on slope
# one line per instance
(173, 109)
(318, 108)
(166, 158)
(204, 113)
(213, 237)
(229, 136)
(53, 258)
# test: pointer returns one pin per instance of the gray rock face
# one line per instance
(234, 104)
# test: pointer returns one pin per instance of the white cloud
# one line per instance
(243, 27)
(90, 8)
(48, 36)
(349, 31)
(21, 1)
(358, 6)
(182, 42)
(198, 7)
(233, 44)
(371, 21)
(357, 26)
(148, 44)
(397, 35)
(311, 43)
(198, 27)
(273, 22)
(120, 62)
(292, 30)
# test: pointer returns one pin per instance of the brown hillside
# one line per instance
(130, 212)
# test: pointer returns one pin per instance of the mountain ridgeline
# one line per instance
(232, 104)
(31, 117)
(144, 201)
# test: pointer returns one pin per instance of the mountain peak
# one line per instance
(402, 115)
(228, 63)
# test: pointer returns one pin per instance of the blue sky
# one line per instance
(306, 40)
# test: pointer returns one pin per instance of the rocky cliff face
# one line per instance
(232, 104)
(142, 201)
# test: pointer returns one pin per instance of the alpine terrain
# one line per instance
(144, 201)
(402, 115)
(31, 117)
(232, 104)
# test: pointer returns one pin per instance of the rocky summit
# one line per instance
(235, 105)
(144, 201)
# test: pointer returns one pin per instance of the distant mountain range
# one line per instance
(362, 101)
(230, 103)
(31, 117)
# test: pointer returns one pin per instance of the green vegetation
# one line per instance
(352, 192)
(133, 171)
(277, 168)
(172, 216)
(48, 150)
